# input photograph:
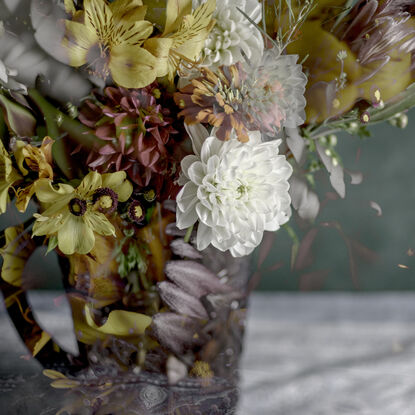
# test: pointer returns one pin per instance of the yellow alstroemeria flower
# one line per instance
(184, 35)
(38, 159)
(108, 37)
(74, 215)
(8, 176)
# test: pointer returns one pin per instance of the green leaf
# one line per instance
(52, 244)
(18, 119)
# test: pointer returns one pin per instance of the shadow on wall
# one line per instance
(377, 221)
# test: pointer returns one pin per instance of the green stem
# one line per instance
(73, 128)
(403, 102)
(188, 234)
(50, 113)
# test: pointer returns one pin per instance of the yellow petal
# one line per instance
(392, 79)
(132, 66)
(23, 197)
(190, 38)
(75, 236)
(120, 323)
(90, 183)
(98, 15)
(16, 252)
(19, 155)
(160, 48)
(119, 183)
(44, 338)
(321, 49)
(175, 12)
(69, 7)
(53, 374)
(134, 33)
(128, 10)
(79, 40)
(46, 225)
(57, 196)
(99, 223)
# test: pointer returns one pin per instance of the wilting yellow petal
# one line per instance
(120, 323)
(53, 374)
(44, 338)
(132, 66)
(8, 176)
(102, 268)
(23, 197)
(65, 384)
(37, 159)
(126, 324)
(16, 252)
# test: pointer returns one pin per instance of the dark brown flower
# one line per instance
(138, 133)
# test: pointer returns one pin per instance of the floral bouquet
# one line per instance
(148, 145)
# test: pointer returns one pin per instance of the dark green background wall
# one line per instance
(379, 243)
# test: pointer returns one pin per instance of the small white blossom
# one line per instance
(235, 191)
(232, 33)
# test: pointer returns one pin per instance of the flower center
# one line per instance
(136, 212)
(77, 207)
(105, 200)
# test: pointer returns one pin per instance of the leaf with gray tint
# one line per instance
(194, 278)
(180, 301)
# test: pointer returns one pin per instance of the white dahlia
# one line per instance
(235, 191)
(232, 33)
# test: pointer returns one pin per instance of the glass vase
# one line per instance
(184, 360)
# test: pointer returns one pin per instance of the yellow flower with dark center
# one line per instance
(8, 176)
(37, 159)
(71, 215)
(108, 38)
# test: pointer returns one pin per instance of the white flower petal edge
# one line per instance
(232, 33)
(235, 191)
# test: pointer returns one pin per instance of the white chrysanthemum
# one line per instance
(232, 33)
(276, 97)
(235, 191)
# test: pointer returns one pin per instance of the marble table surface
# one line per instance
(305, 354)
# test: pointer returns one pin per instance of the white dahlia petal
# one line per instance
(232, 33)
(235, 191)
